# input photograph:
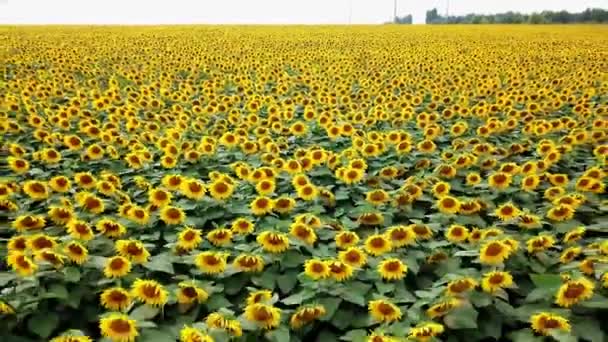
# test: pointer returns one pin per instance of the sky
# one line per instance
(257, 11)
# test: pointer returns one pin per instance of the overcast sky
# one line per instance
(256, 11)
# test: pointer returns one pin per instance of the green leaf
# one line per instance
(330, 304)
(491, 326)
(144, 312)
(354, 297)
(298, 298)
(562, 336)
(597, 302)
(342, 319)
(327, 336)
(292, 259)
(287, 281)
(547, 281)
(524, 335)
(217, 301)
(57, 291)
(72, 274)
(155, 335)
(589, 329)
(160, 263)
(281, 334)
(480, 299)
(357, 335)
(6, 277)
(43, 324)
(265, 281)
(462, 318)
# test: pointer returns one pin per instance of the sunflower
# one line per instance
(425, 331)
(110, 228)
(192, 189)
(448, 205)
(392, 269)
(339, 270)
(159, 197)
(377, 197)
(6, 309)
(36, 190)
(149, 292)
(284, 204)
(249, 263)
(261, 205)
(21, 263)
(574, 235)
(507, 211)
(220, 236)
(260, 296)
(377, 244)
(85, 180)
(570, 254)
(211, 262)
(138, 215)
(61, 215)
(543, 323)
(90, 202)
(473, 178)
(421, 231)
(529, 221)
(384, 311)
(266, 316)
(494, 280)
(317, 269)
(561, 212)
(574, 291)
(265, 187)
(188, 293)
(242, 226)
(172, 215)
(305, 315)
(133, 250)
(189, 238)
(115, 299)
(442, 308)
(459, 286)
(307, 192)
(38, 242)
(76, 252)
(494, 252)
(371, 219)
(500, 180)
(587, 266)
(353, 256)
(18, 165)
(303, 232)
(172, 182)
(457, 233)
(540, 243)
(60, 184)
(351, 175)
(17, 243)
(470, 207)
(28, 223)
(346, 239)
(273, 242)
(401, 236)
(118, 328)
(190, 334)
(80, 230)
(379, 337)
(441, 189)
(116, 267)
(221, 190)
(530, 182)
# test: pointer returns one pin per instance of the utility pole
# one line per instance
(395, 11)
(447, 12)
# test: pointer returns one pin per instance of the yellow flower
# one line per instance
(574, 291)
(308, 192)
(495, 280)
(317, 269)
(377, 244)
(540, 243)
(116, 267)
(457, 233)
(242, 226)
(60, 184)
(172, 215)
(190, 334)
(220, 236)
(377, 197)
(149, 292)
(80, 230)
(261, 205)
(265, 187)
(346, 239)
(189, 238)
(443, 308)
(542, 323)
(188, 293)
(109, 228)
(561, 212)
(384, 311)
(459, 286)
(303, 232)
(115, 299)
(221, 190)
(284, 204)
(21, 264)
(260, 296)
(28, 223)
(421, 231)
(305, 315)
(353, 256)
(507, 211)
(340, 271)
(211, 262)
(273, 242)
(133, 250)
(160, 197)
(500, 180)
(36, 190)
(448, 205)
(570, 254)
(118, 328)
(392, 269)
(425, 331)
(171, 182)
(266, 316)
(76, 252)
(18, 165)
(494, 253)
(249, 263)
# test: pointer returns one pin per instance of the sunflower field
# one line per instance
(295, 184)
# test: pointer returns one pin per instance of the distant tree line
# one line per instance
(406, 19)
(590, 15)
